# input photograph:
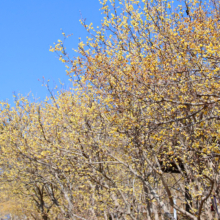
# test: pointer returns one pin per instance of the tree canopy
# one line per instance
(137, 136)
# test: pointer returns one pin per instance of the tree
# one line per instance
(139, 136)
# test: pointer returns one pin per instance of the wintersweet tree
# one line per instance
(155, 68)
(138, 135)
(66, 146)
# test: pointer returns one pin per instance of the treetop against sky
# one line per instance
(28, 29)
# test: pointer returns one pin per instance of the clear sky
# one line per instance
(27, 29)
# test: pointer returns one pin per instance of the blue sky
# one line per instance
(27, 29)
